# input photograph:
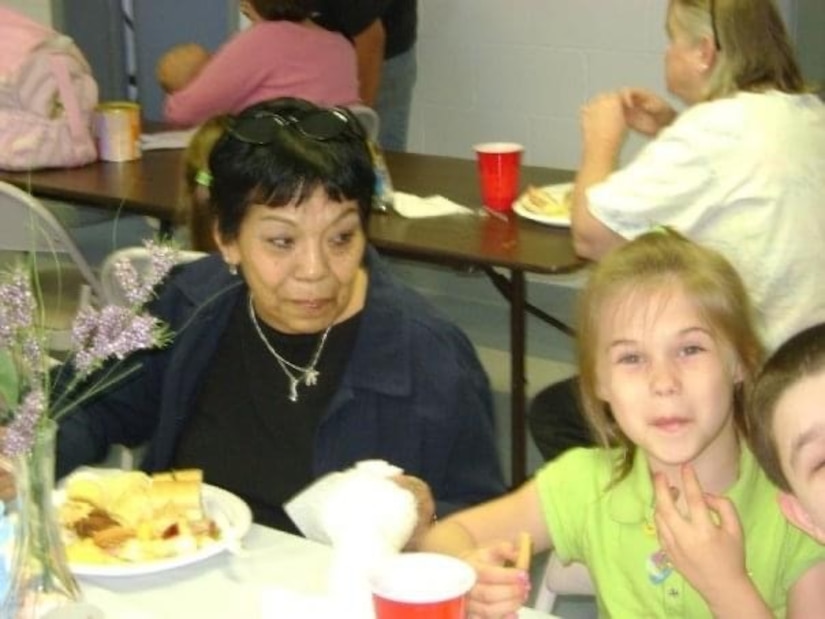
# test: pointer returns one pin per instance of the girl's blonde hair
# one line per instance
(755, 52)
(654, 262)
(194, 203)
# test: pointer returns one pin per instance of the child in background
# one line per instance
(666, 350)
(787, 422)
(194, 203)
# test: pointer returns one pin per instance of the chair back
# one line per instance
(65, 278)
(368, 118)
(28, 226)
(141, 260)
(560, 579)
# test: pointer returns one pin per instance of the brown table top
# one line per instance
(151, 186)
(515, 243)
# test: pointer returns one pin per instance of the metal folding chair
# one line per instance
(65, 280)
(368, 118)
(560, 579)
(140, 258)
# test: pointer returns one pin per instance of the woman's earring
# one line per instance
(233, 268)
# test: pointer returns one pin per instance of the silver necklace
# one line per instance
(308, 375)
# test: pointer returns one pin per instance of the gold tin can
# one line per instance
(117, 130)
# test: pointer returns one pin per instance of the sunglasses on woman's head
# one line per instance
(262, 127)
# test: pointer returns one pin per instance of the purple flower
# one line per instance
(111, 332)
(17, 306)
(138, 286)
(20, 433)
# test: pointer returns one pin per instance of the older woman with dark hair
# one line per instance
(741, 169)
(297, 353)
(282, 54)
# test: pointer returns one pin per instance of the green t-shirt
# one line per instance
(612, 532)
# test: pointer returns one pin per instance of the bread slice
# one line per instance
(178, 490)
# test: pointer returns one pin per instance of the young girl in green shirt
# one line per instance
(671, 514)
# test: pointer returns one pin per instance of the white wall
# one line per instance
(520, 69)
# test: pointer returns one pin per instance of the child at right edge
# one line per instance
(671, 514)
(787, 420)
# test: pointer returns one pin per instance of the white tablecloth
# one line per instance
(225, 586)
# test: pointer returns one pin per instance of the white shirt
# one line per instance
(746, 176)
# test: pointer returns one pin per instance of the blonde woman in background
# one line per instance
(741, 169)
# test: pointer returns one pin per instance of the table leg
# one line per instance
(514, 289)
(518, 420)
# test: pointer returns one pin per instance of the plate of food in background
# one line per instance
(548, 205)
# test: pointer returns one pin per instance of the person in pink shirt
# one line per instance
(283, 53)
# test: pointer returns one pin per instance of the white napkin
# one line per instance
(412, 206)
(166, 139)
(334, 507)
(365, 516)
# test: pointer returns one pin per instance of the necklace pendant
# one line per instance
(293, 390)
(311, 377)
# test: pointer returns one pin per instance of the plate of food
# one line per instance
(127, 523)
(547, 205)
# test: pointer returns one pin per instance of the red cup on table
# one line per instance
(421, 585)
(499, 169)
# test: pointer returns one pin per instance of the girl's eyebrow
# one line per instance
(681, 333)
(620, 342)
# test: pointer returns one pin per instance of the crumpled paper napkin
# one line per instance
(413, 207)
(366, 518)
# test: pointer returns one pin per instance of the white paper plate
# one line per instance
(231, 514)
(557, 192)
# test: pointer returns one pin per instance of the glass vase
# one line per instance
(41, 581)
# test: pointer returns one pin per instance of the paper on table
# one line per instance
(412, 206)
(166, 139)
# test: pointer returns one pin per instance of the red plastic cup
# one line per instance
(499, 166)
(421, 585)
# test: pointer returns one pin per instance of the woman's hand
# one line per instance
(706, 545)
(646, 112)
(425, 505)
(500, 589)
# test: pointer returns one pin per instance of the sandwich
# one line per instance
(131, 516)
